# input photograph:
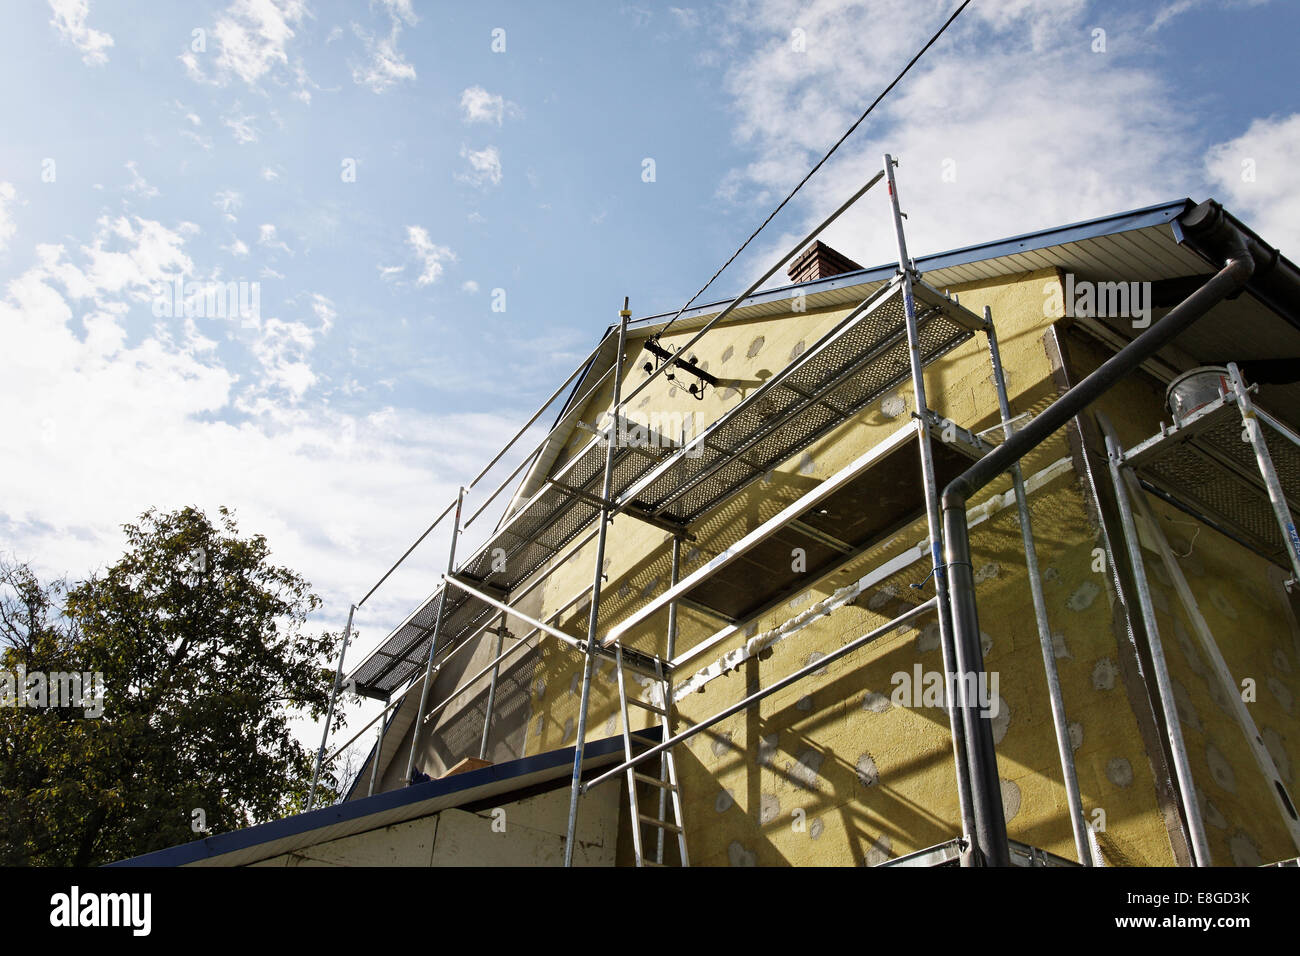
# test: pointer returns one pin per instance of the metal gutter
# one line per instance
(1157, 215)
(1211, 231)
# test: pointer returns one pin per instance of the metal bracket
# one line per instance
(664, 357)
(614, 508)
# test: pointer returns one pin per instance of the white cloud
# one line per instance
(7, 225)
(1255, 176)
(282, 349)
(480, 106)
(640, 16)
(401, 9)
(192, 68)
(154, 256)
(228, 200)
(323, 306)
(1171, 11)
(992, 135)
(270, 174)
(484, 166)
(305, 83)
(267, 236)
(139, 185)
(252, 43)
(470, 286)
(241, 126)
(70, 21)
(385, 66)
(253, 35)
(1175, 9)
(203, 142)
(687, 18)
(431, 256)
(237, 248)
(316, 480)
(191, 132)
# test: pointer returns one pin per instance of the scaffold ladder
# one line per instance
(667, 783)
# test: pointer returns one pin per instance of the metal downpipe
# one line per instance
(1060, 724)
(991, 828)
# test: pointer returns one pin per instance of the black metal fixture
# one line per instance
(663, 356)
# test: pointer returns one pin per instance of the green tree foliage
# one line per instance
(205, 659)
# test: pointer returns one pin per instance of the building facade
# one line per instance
(1172, 629)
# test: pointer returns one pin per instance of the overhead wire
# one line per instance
(821, 162)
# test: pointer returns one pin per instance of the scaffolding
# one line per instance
(885, 342)
(1221, 465)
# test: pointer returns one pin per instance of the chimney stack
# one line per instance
(819, 261)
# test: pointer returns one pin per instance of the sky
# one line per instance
(427, 213)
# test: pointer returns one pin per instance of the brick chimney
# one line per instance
(819, 261)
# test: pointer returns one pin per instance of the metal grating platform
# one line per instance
(1205, 463)
(868, 499)
(861, 358)
(849, 368)
(949, 854)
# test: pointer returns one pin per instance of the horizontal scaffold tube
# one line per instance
(821, 662)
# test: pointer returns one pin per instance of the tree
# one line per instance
(204, 657)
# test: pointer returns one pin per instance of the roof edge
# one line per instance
(473, 784)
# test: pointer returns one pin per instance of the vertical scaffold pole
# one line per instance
(492, 687)
(1060, 724)
(379, 748)
(1198, 841)
(933, 519)
(1254, 433)
(597, 579)
(329, 713)
(667, 703)
(433, 640)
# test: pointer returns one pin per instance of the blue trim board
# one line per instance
(304, 823)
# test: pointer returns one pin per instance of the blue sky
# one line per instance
(376, 377)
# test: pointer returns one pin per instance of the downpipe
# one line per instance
(990, 837)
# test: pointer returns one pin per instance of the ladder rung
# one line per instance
(671, 827)
(653, 781)
(647, 706)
